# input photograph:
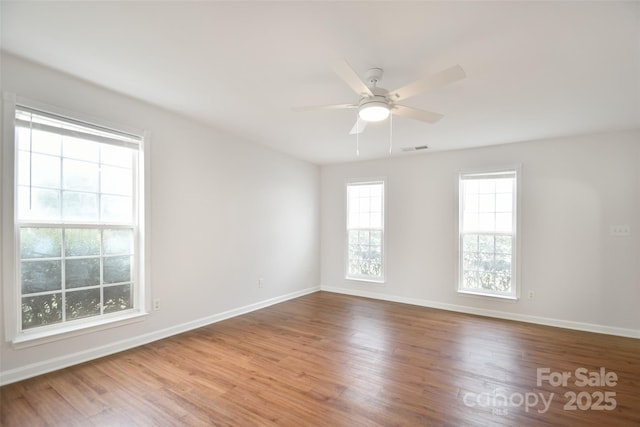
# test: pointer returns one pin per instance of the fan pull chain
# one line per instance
(30, 160)
(390, 133)
(357, 137)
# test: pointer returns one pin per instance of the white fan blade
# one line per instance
(324, 107)
(350, 77)
(358, 127)
(443, 78)
(412, 113)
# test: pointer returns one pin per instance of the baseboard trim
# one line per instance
(559, 323)
(35, 369)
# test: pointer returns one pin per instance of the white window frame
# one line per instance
(514, 294)
(365, 278)
(10, 235)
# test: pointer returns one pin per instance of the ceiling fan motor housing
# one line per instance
(377, 107)
(373, 76)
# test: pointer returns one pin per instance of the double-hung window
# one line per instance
(487, 233)
(78, 216)
(365, 231)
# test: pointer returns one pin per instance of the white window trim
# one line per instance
(516, 248)
(345, 245)
(9, 233)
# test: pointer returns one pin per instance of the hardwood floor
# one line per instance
(333, 360)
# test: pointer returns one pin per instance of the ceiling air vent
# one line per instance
(417, 148)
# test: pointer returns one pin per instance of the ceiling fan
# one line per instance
(376, 103)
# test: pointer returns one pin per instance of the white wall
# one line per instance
(573, 190)
(224, 213)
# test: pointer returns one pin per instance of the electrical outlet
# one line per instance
(261, 282)
(156, 304)
(620, 230)
(531, 294)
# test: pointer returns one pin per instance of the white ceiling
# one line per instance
(534, 69)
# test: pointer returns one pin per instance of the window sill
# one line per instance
(365, 280)
(487, 295)
(34, 338)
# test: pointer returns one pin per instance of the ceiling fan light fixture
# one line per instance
(374, 111)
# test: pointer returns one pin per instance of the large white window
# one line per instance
(487, 240)
(365, 231)
(78, 216)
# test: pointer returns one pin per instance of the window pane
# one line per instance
(40, 242)
(470, 242)
(41, 142)
(486, 280)
(45, 171)
(503, 244)
(80, 176)
(80, 206)
(486, 221)
(504, 202)
(117, 156)
(117, 269)
(504, 222)
(41, 276)
(82, 303)
(485, 261)
(23, 136)
(485, 243)
(494, 200)
(365, 256)
(376, 204)
(82, 272)
(117, 242)
(38, 204)
(471, 202)
(46, 142)
(363, 220)
(503, 281)
(24, 168)
(470, 222)
(470, 186)
(81, 241)
(376, 237)
(376, 254)
(117, 298)
(41, 310)
(470, 279)
(504, 185)
(81, 149)
(503, 263)
(376, 220)
(116, 180)
(116, 209)
(365, 205)
(471, 261)
(486, 186)
(486, 203)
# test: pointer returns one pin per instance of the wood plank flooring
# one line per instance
(334, 360)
